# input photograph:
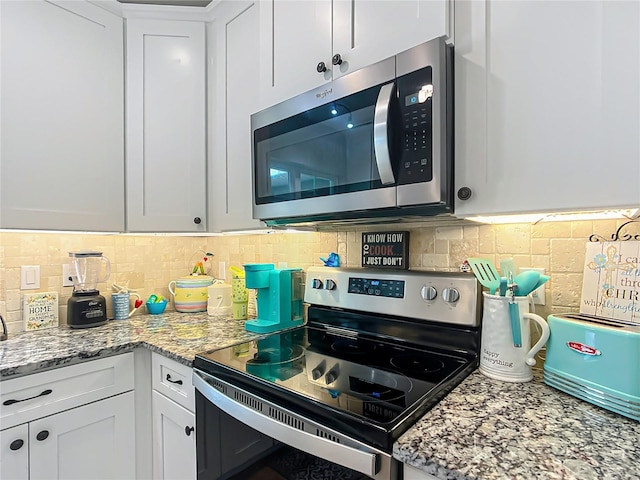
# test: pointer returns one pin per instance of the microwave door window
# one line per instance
(325, 151)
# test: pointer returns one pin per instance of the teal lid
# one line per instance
(258, 267)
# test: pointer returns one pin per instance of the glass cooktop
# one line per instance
(367, 378)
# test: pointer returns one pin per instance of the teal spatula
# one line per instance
(514, 313)
(486, 273)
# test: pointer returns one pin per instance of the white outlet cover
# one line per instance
(66, 275)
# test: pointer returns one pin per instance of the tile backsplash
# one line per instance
(149, 262)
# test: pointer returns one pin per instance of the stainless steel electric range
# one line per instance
(378, 350)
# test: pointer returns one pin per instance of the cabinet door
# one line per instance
(294, 37)
(14, 453)
(174, 440)
(367, 31)
(411, 473)
(166, 156)
(235, 66)
(557, 111)
(62, 122)
(95, 441)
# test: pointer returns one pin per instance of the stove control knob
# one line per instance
(450, 295)
(317, 372)
(429, 293)
(330, 284)
(316, 283)
(331, 376)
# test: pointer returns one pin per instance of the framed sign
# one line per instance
(40, 310)
(385, 250)
(611, 280)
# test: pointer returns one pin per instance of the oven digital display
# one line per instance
(376, 287)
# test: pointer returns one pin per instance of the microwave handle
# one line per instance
(380, 140)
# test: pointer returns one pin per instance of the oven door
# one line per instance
(289, 428)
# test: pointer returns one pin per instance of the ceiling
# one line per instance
(181, 3)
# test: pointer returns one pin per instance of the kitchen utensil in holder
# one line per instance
(280, 295)
(499, 358)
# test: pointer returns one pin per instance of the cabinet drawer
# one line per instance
(40, 394)
(173, 379)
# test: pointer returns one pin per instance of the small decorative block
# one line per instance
(385, 250)
(40, 310)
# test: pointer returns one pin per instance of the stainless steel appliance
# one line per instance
(379, 349)
(374, 143)
(595, 359)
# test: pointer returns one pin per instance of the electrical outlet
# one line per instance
(222, 270)
(66, 275)
(539, 293)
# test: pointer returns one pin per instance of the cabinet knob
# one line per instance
(197, 220)
(16, 444)
(42, 435)
(321, 67)
(188, 430)
(464, 193)
(337, 59)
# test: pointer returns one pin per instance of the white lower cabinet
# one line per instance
(73, 422)
(94, 441)
(14, 453)
(174, 440)
(411, 473)
(174, 421)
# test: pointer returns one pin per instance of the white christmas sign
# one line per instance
(611, 280)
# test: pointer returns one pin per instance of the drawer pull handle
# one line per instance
(12, 401)
(188, 430)
(42, 435)
(16, 444)
(179, 382)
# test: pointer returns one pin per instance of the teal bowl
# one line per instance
(156, 308)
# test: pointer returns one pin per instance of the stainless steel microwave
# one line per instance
(374, 144)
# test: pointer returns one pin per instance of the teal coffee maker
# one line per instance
(279, 297)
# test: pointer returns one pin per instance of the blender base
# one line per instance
(86, 309)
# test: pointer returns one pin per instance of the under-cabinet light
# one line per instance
(629, 214)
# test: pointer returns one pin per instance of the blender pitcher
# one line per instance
(87, 270)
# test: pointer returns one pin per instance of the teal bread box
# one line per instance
(595, 359)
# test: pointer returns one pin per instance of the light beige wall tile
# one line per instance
(567, 255)
(150, 262)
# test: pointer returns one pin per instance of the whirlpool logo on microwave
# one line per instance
(324, 93)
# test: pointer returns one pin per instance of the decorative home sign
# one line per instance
(611, 280)
(385, 250)
(40, 310)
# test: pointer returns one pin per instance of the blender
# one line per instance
(86, 307)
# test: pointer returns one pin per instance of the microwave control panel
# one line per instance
(415, 91)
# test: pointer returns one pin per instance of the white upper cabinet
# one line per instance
(234, 60)
(62, 122)
(166, 138)
(306, 44)
(547, 105)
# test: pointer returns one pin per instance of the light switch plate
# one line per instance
(29, 277)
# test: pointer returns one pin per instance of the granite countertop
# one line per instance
(484, 429)
(488, 429)
(178, 336)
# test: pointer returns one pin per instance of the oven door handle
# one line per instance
(380, 139)
(363, 462)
